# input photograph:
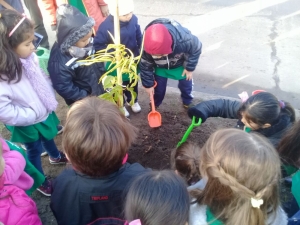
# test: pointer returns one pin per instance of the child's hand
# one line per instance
(104, 10)
(189, 74)
(150, 91)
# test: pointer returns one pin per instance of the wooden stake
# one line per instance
(118, 41)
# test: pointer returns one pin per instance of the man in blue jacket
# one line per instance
(170, 51)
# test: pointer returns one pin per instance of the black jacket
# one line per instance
(73, 83)
(229, 109)
(78, 199)
(186, 52)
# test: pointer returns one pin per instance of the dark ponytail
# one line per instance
(10, 64)
(264, 108)
(287, 108)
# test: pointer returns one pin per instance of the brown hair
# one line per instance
(10, 64)
(289, 146)
(185, 159)
(239, 166)
(97, 136)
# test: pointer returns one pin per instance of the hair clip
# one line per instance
(125, 159)
(281, 104)
(244, 96)
(0, 15)
(18, 24)
(256, 203)
(136, 222)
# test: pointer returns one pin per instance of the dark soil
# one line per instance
(152, 147)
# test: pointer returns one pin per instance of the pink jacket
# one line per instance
(14, 168)
(16, 208)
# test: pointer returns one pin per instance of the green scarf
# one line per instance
(211, 219)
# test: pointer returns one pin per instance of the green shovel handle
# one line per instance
(189, 130)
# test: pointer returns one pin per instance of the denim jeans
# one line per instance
(34, 150)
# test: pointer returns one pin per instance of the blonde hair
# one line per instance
(185, 159)
(239, 167)
(97, 136)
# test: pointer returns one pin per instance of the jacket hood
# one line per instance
(72, 25)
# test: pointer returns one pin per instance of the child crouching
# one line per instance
(185, 161)
(96, 140)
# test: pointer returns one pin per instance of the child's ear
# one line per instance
(266, 125)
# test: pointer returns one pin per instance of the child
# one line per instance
(11, 154)
(170, 51)
(131, 37)
(289, 150)
(16, 207)
(261, 112)
(27, 101)
(72, 81)
(185, 162)
(158, 198)
(243, 174)
(14, 168)
(96, 140)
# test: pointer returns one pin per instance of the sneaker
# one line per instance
(60, 129)
(126, 113)
(60, 160)
(136, 108)
(187, 106)
(46, 188)
(44, 153)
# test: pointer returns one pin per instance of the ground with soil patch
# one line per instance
(152, 147)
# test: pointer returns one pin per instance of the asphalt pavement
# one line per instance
(247, 45)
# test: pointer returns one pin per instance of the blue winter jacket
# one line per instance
(131, 35)
(186, 52)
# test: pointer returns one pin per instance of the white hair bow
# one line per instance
(256, 203)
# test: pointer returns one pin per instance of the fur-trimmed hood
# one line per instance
(72, 25)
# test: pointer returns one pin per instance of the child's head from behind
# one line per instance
(125, 9)
(185, 160)
(73, 27)
(158, 198)
(262, 110)
(16, 36)
(289, 146)
(97, 136)
(240, 169)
